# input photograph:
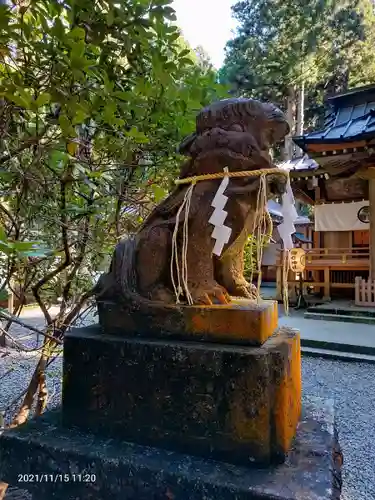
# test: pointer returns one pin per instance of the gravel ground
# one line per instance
(351, 385)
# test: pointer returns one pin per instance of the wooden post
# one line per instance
(279, 284)
(327, 287)
(357, 285)
(371, 191)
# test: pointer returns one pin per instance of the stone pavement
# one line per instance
(335, 332)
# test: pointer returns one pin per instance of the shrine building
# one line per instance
(337, 177)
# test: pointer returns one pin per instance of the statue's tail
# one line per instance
(123, 267)
(121, 281)
(121, 278)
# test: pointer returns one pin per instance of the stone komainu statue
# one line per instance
(235, 134)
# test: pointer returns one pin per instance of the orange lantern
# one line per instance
(297, 260)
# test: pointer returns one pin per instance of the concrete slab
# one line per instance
(334, 335)
(342, 318)
(345, 305)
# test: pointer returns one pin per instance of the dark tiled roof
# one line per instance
(352, 117)
(354, 128)
(358, 94)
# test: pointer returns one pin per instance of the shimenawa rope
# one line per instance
(262, 217)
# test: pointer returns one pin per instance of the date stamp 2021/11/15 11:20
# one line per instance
(56, 478)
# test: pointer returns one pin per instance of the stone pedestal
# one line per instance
(55, 462)
(241, 322)
(178, 409)
(233, 403)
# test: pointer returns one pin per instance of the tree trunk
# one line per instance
(3, 339)
(37, 382)
(291, 118)
(300, 115)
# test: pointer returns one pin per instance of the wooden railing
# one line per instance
(336, 254)
(330, 268)
(320, 257)
(364, 292)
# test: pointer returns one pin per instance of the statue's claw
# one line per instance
(223, 299)
(209, 294)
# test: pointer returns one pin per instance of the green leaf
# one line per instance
(78, 50)
(3, 236)
(22, 99)
(169, 13)
(79, 117)
(35, 253)
(6, 176)
(109, 112)
(123, 96)
(58, 159)
(77, 33)
(58, 29)
(174, 36)
(6, 248)
(185, 52)
(43, 99)
(66, 126)
(110, 17)
(186, 61)
(158, 192)
(138, 136)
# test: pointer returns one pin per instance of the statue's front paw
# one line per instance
(208, 294)
(245, 290)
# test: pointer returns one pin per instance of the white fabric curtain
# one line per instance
(342, 216)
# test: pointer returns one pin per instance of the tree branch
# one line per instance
(68, 259)
(14, 319)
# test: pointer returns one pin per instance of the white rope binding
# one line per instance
(181, 287)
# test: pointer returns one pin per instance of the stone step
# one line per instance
(324, 345)
(346, 318)
(339, 355)
(350, 311)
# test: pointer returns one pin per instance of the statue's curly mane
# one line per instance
(235, 115)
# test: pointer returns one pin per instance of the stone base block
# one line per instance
(55, 462)
(238, 404)
(241, 321)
